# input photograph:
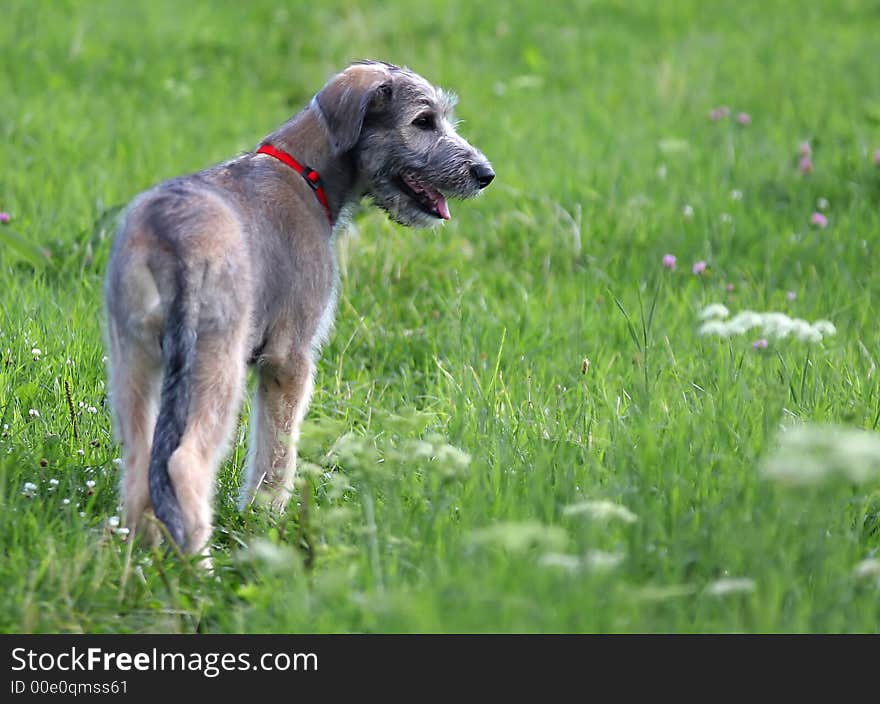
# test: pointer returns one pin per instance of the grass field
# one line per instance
(518, 425)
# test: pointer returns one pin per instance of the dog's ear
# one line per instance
(348, 98)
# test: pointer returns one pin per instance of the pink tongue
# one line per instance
(443, 208)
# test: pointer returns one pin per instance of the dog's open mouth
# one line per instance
(427, 198)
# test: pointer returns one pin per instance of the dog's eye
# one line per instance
(424, 122)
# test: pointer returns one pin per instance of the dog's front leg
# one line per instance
(283, 394)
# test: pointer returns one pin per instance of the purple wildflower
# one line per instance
(5, 217)
(744, 118)
(805, 149)
(791, 295)
(805, 165)
(699, 267)
(719, 113)
(818, 220)
(669, 261)
(760, 344)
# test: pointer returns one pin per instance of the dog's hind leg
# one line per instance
(219, 379)
(134, 396)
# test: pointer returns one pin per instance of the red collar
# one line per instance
(310, 175)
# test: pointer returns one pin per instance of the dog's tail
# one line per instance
(178, 358)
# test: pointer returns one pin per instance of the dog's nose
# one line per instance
(483, 173)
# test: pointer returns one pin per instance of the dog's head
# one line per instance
(399, 131)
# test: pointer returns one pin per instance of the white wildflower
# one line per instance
(744, 321)
(29, 489)
(53, 482)
(595, 560)
(92, 409)
(122, 532)
(601, 561)
(34, 413)
(726, 218)
(802, 330)
(777, 325)
(105, 359)
(688, 212)
(113, 521)
(771, 325)
(66, 502)
(717, 328)
(825, 327)
(811, 453)
(714, 310)
(90, 483)
(36, 352)
(421, 449)
(723, 587)
(867, 568)
(451, 461)
(822, 203)
(601, 510)
(351, 449)
(520, 536)
(736, 194)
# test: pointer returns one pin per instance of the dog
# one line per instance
(233, 267)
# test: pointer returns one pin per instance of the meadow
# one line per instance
(522, 422)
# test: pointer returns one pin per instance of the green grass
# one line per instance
(595, 116)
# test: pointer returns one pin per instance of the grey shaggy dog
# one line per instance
(234, 267)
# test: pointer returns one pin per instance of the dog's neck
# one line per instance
(306, 139)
